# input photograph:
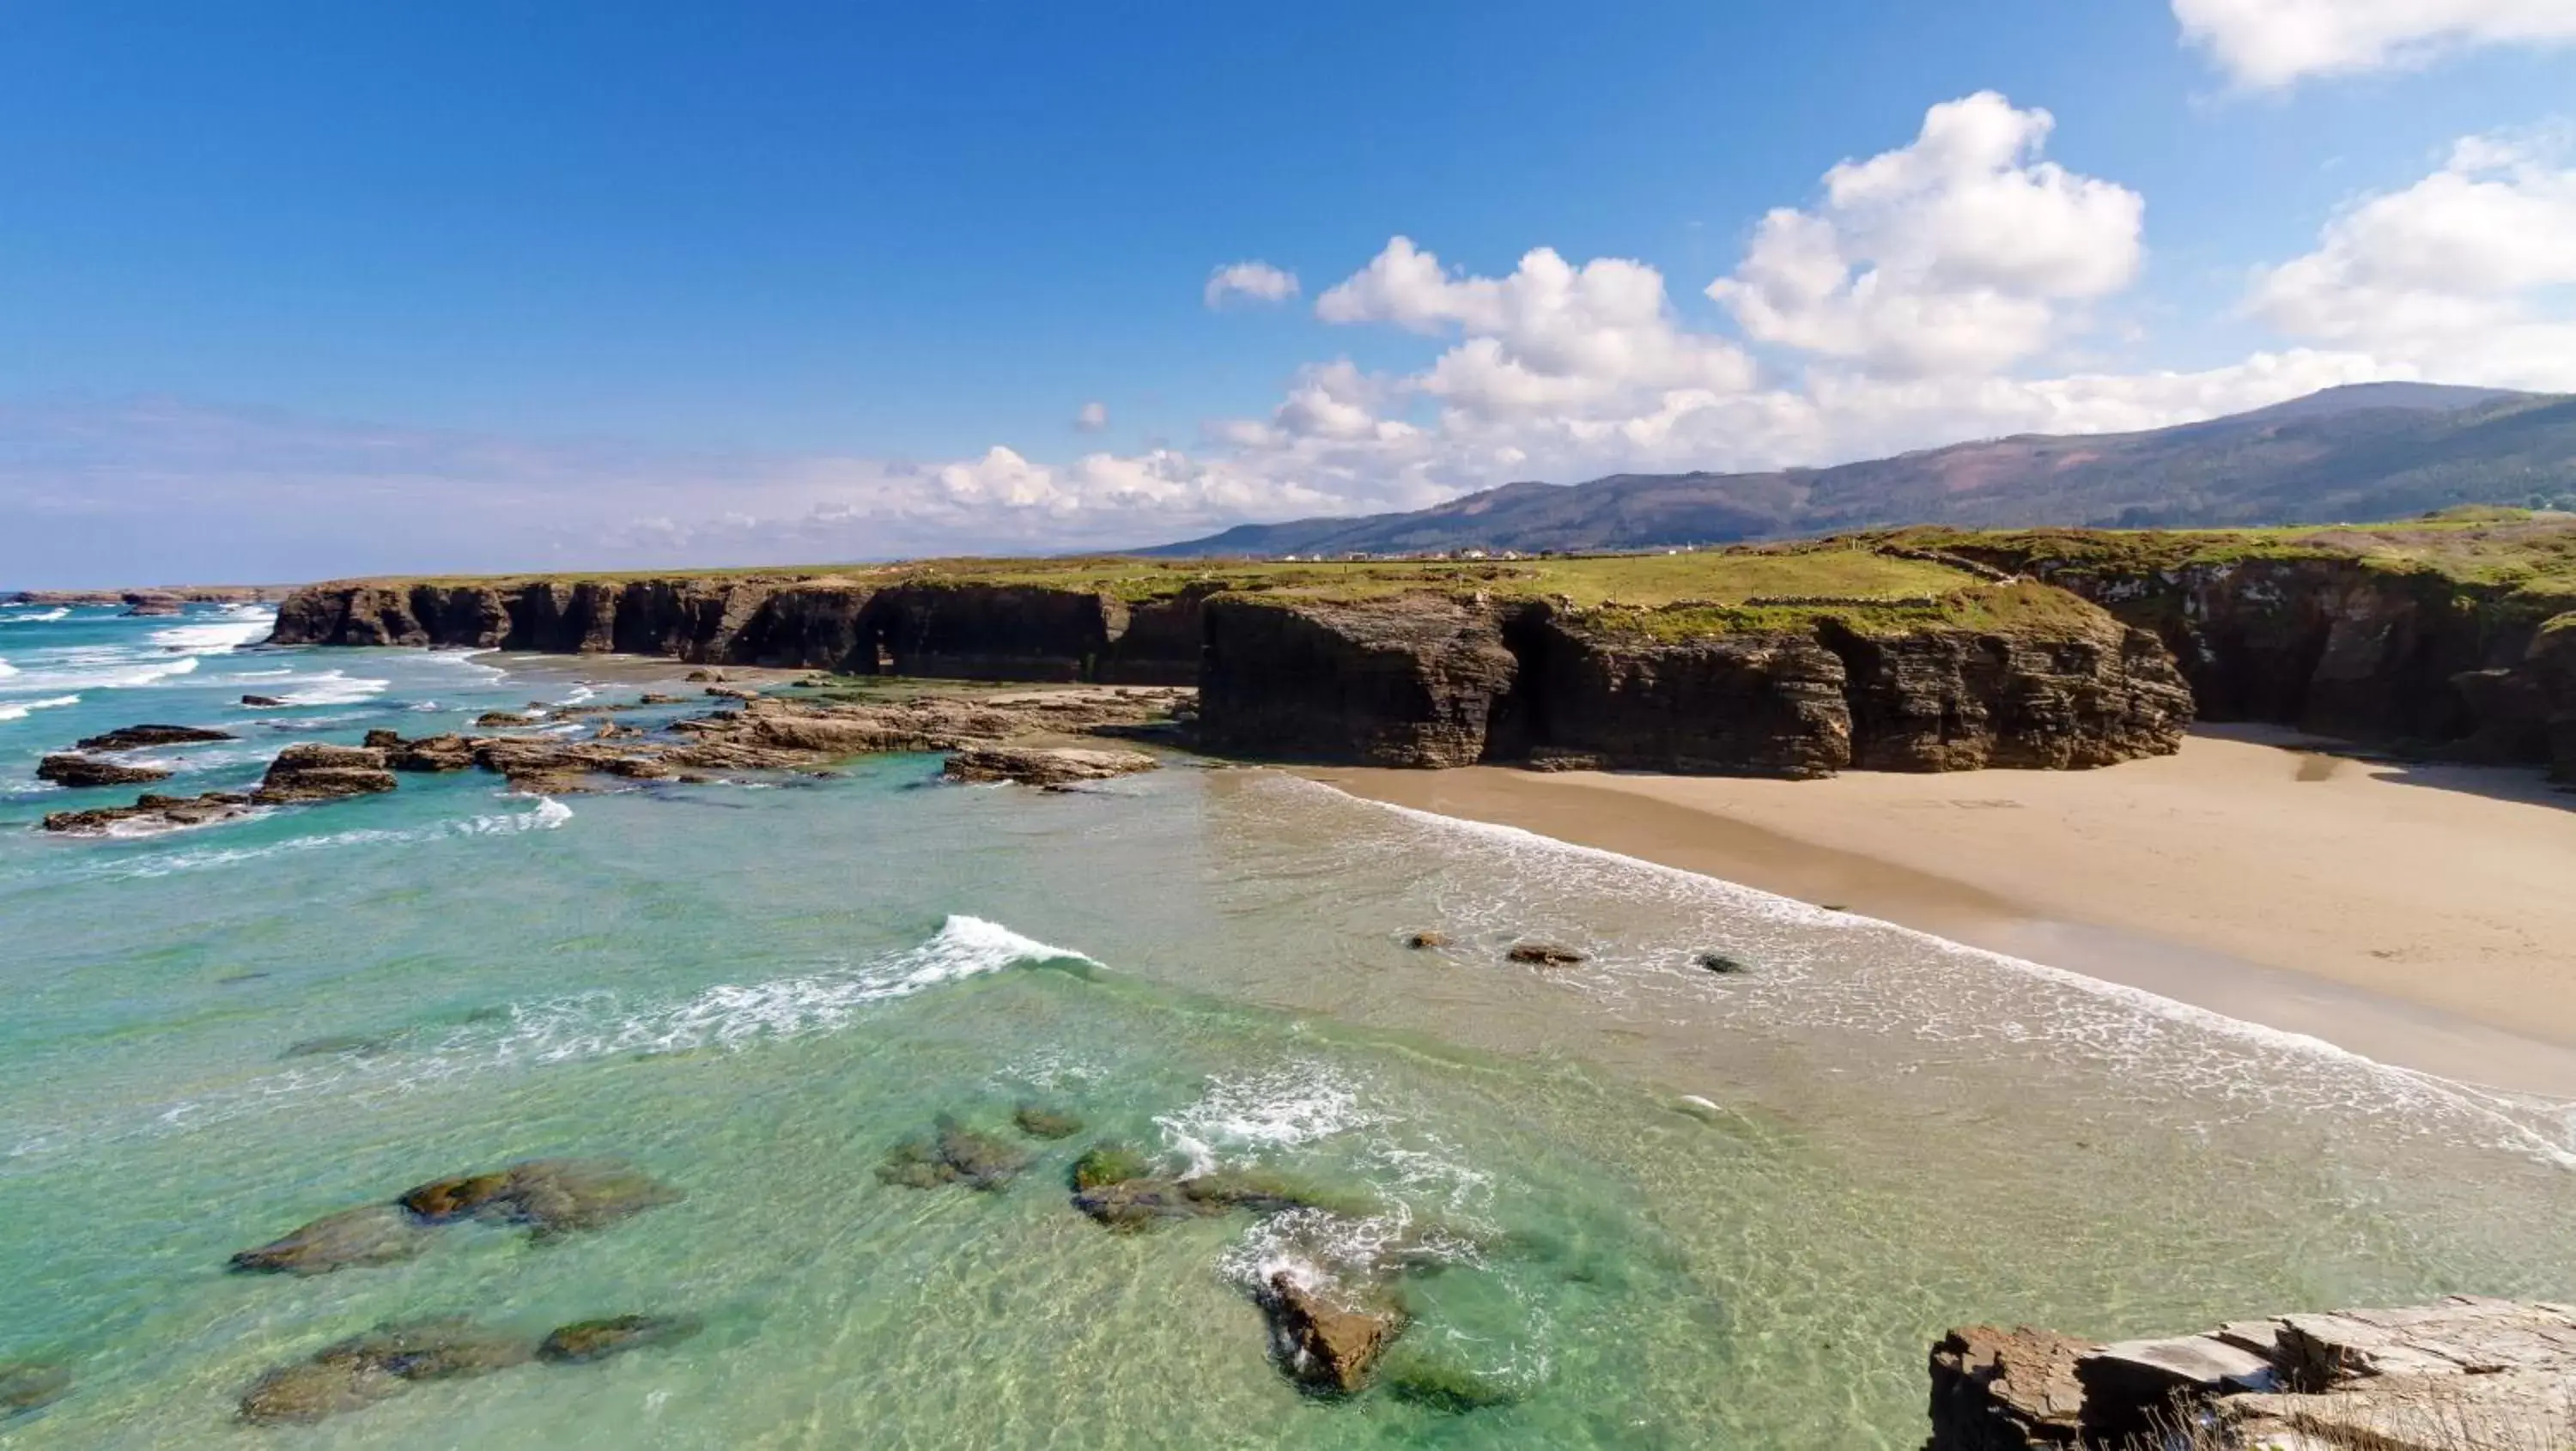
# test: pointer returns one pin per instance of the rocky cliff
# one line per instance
(2335, 634)
(2019, 675)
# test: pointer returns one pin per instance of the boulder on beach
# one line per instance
(316, 772)
(1327, 1338)
(26, 1385)
(68, 769)
(143, 737)
(549, 1196)
(1544, 954)
(588, 1340)
(150, 812)
(374, 1234)
(733, 692)
(1051, 767)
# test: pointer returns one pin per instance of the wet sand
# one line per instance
(2424, 916)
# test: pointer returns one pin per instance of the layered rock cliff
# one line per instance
(1998, 676)
(2331, 637)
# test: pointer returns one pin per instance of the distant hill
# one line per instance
(2368, 451)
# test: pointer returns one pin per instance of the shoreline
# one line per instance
(2415, 915)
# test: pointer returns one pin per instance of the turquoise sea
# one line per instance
(1641, 1204)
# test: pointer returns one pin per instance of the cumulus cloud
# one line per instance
(2461, 274)
(1092, 417)
(2273, 43)
(1955, 253)
(1248, 282)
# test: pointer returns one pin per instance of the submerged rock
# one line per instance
(1129, 1205)
(1050, 767)
(66, 769)
(263, 702)
(1443, 1385)
(550, 1196)
(1104, 1164)
(588, 1340)
(28, 1384)
(1544, 954)
(955, 1154)
(1264, 1192)
(333, 1045)
(1422, 940)
(151, 812)
(141, 737)
(1326, 1339)
(375, 1234)
(355, 1373)
(1041, 1122)
(312, 771)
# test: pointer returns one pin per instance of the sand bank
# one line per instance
(2423, 915)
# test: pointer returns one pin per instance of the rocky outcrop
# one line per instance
(1054, 768)
(28, 1385)
(2337, 644)
(74, 770)
(151, 813)
(2465, 1374)
(1324, 1337)
(145, 737)
(1412, 682)
(316, 772)
(1425, 680)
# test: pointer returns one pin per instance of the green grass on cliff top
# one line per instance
(1839, 569)
(2522, 557)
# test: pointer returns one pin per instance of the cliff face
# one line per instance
(1425, 680)
(2344, 647)
(1435, 683)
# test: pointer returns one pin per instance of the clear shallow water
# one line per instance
(754, 991)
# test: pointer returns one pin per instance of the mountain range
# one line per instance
(2367, 451)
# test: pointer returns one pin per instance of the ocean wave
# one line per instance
(219, 636)
(19, 709)
(98, 673)
(732, 1016)
(38, 617)
(333, 687)
(1284, 1107)
(547, 815)
(466, 659)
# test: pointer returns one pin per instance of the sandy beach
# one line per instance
(2421, 915)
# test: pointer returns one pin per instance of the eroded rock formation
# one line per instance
(2465, 1374)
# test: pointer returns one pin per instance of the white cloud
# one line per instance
(2462, 274)
(1953, 253)
(2277, 42)
(1092, 417)
(1249, 282)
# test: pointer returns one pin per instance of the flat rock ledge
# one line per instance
(1054, 768)
(2463, 1374)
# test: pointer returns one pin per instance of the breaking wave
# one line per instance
(38, 617)
(19, 709)
(547, 815)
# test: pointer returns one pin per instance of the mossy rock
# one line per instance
(1104, 1164)
(28, 1384)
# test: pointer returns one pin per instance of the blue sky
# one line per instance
(298, 290)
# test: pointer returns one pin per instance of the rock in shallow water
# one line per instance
(375, 1234)
(955, 1154)
(1544, 954)
(1326, 1338)
(151, 813)
(28, 1384)
(588, 1340)
(352, 1374)
(316, 772)
(1041, 1122)
(77, 771)
(551, 1196)
(1053, 769)
(140, 737)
